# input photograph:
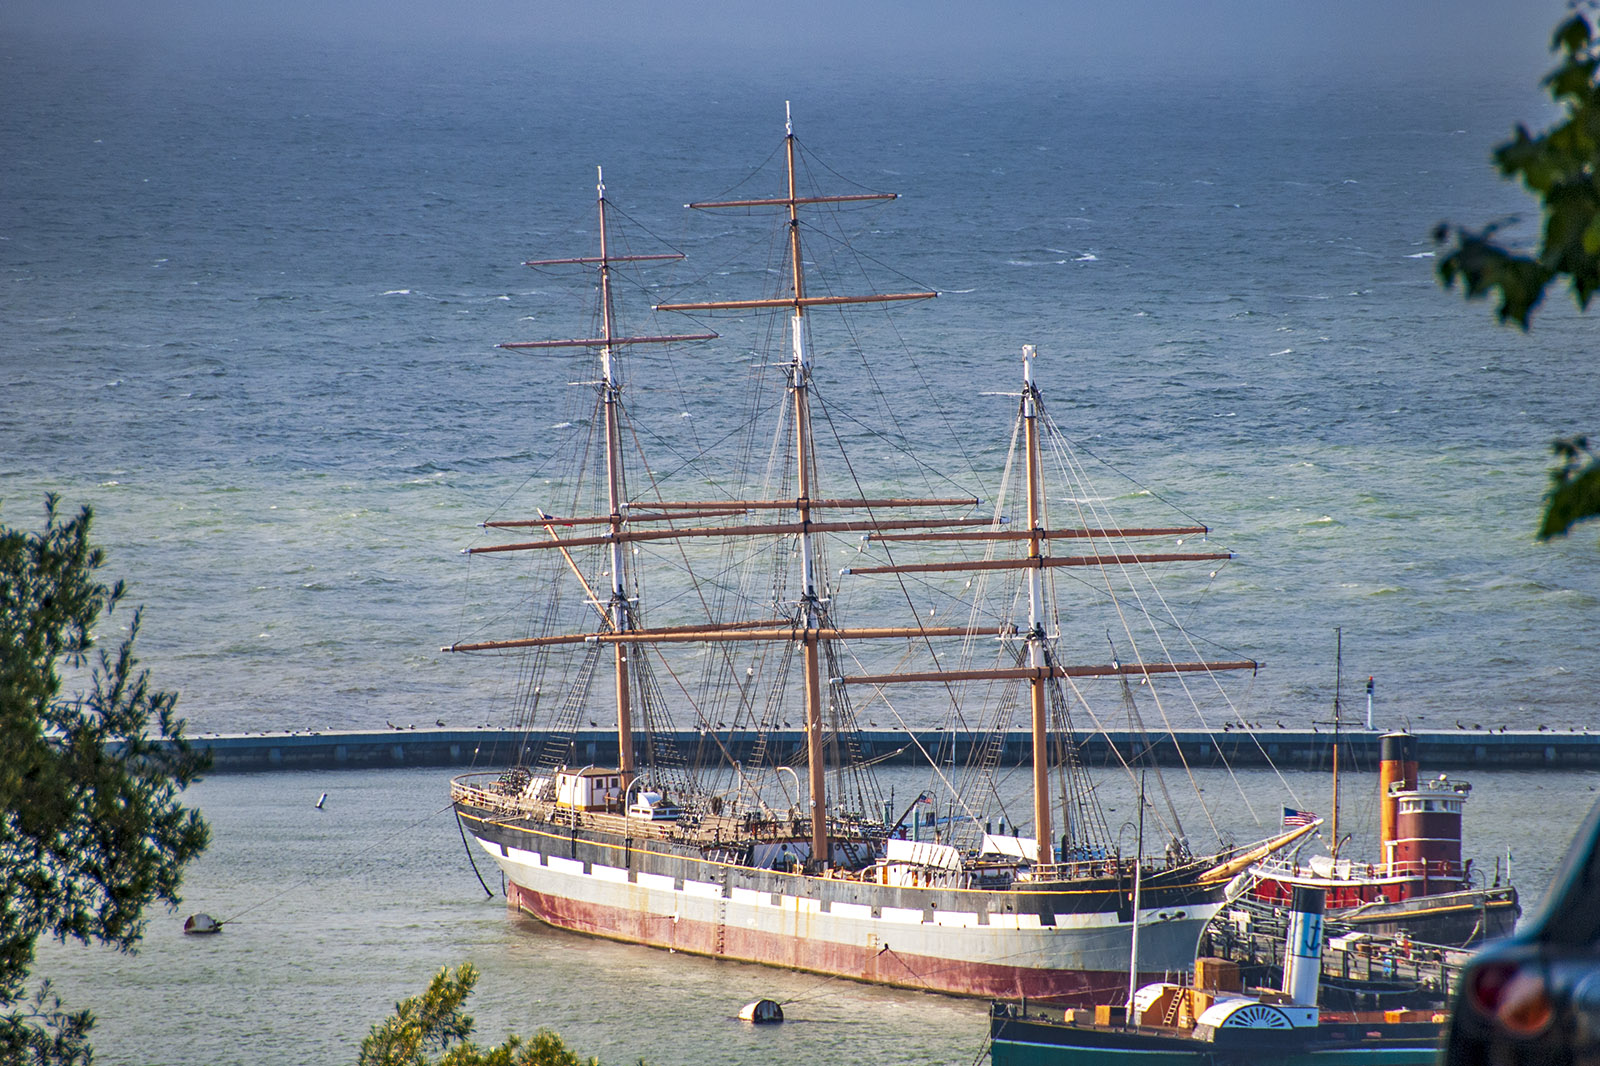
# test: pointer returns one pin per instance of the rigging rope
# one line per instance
(312, 877)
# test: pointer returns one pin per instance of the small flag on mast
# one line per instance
(1292, 817)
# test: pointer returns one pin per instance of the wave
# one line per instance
(1420, 255)
(396, 292)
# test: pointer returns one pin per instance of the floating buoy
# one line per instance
(761, 1012)
(201, 925)
(321, 801)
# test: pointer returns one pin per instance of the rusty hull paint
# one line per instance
(884, 966)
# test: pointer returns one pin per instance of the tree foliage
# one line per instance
(1574, 488)
(1561, 168)
(433, 1024)
(91, 832)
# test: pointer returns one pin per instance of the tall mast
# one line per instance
(1036, 649)
(1133, 934)
(1338, 674)
(813, 595)
(616, 609)
(810, 600)
(1043, 666)
(610, 387)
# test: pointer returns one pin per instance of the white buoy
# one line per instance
(201, 925)
(321, 801)
(761, 1012)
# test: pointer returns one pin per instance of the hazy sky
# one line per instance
(1010, 37)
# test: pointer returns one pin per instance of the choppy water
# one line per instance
(342, 912)
(250, 298)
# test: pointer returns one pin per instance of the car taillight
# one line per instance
(1514, 996)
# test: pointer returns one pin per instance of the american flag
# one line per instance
(1292, 817)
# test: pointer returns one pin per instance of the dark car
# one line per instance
(1534, 998)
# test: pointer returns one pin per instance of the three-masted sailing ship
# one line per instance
(724, 860)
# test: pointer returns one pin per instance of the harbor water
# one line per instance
(340, 912)
(254, 272)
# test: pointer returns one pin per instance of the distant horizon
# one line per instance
(937, 40)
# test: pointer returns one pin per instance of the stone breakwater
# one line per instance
(1285, 749)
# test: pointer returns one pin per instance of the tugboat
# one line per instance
(1214, 1022)
(1419, 887)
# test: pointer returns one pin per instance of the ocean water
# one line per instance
(251, 300)
(251, 292)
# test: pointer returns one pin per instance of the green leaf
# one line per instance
(1572, 35)
(1561, 168)
(1591, 236)
(1574, 494)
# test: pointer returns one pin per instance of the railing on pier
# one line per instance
(1374, 967)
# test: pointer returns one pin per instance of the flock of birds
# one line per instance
(1226, 728)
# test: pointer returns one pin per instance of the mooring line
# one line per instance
(312, 877)
(826, 980)
(470, 857)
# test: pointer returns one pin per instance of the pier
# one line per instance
(1285, 749)
(1359, 971)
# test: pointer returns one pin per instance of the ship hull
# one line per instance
(1457, 919)
(1034, 1041)
(1060, 943)
(1461, 918)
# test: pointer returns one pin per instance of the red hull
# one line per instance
(883, 966)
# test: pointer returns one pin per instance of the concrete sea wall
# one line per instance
(1287, 749)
